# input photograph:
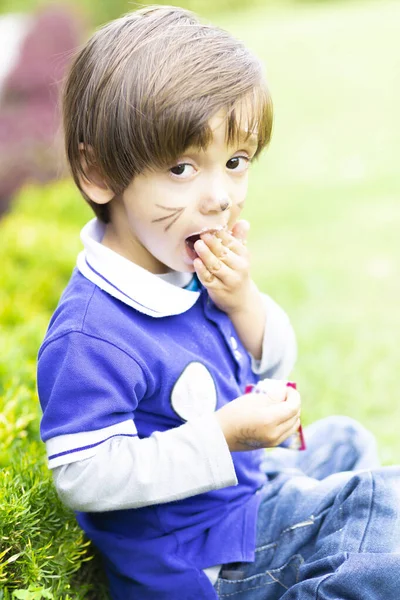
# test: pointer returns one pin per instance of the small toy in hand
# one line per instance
(295, 441)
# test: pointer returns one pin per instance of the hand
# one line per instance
(260, 420)
(223, 267)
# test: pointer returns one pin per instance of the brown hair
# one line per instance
(143, 89)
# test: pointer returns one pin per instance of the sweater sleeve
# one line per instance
(279, 348)
(131, 472)
(89, 392)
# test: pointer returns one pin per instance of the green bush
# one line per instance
(40, 539)
(43, 553)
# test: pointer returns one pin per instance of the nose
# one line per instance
(215, 201)
(225, 204)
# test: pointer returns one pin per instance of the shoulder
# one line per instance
(85, 346)
(87, 310)
(77, 301)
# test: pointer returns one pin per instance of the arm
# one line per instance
(223, 267)
(131, 472)
(279, 348)
(89, 390)
(267, 334)
(249, 320)
(99, 462)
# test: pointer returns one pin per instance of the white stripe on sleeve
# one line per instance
(65, 449)
(132, 472)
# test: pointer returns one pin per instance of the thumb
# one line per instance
(240, 230)
(275, 389)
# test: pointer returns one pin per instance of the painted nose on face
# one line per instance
(216, 202)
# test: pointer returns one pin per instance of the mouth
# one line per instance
(194, 237)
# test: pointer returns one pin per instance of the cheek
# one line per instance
(240, 191)
(241, 197)
(156, 239)
(238, 202)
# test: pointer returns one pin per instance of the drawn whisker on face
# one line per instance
(174, 221)
(175, 214)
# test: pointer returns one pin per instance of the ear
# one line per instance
(93, 184)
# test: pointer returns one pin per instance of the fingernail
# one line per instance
(199, 243)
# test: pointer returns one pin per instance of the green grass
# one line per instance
(324, 202)
(325, 217)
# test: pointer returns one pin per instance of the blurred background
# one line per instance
(323, 203)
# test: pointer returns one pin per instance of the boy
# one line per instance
(143, 370)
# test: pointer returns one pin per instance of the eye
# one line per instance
(183, 170)
(238, 164)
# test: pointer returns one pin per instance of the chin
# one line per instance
(183, 265)
(184, 268)
(178, 265)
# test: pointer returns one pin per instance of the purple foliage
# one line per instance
(30, 143)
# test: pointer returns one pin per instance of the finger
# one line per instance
(208, 279)
(215, 245)
(283, 412)
(284, 434)
(204, 275)
(224, 253)
(267, 398)
(276, 389)
(231, 242)
(212, 263)
(240, 230)
(293, 398)
(288, 426)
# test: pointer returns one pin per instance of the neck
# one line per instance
(123, 242)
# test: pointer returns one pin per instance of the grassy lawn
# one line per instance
(324, 202)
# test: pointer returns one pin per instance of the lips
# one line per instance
(192, 239)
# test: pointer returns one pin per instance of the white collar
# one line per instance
(149, 294)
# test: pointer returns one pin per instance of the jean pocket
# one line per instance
(253, 581)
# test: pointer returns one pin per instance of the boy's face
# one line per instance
(159, 216)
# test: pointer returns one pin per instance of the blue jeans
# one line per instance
(328, 529)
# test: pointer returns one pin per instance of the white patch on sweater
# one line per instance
(194, 394)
